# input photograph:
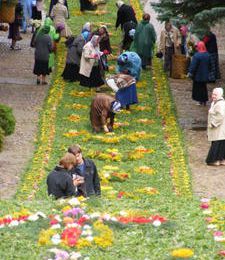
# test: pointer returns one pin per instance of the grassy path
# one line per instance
(146, 148)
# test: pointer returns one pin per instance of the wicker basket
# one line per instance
(180, 65)
(7, 13)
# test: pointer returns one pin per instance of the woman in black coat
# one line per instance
(86, 5)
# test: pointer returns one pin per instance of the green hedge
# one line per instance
(7, 119)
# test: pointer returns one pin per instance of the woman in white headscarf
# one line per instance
(216, 129)
(89, 65)
(59, 14)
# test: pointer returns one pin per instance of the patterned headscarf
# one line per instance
(94, 40)
(86, 27)
(85, 35)
(116, 106)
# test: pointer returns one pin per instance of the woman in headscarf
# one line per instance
(86, 5)
(216, 129)
(54, 2)
(103, 108)
(75, 47)
(89, 66)
(59, 14)
(43, 48)
(199, 72)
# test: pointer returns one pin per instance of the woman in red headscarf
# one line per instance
(199, 72)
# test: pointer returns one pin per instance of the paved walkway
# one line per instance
(19, 91)
(207, 180)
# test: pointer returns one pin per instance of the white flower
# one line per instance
(211, 226)
(86, 227)
(95, 215)
(2, 226)
(123, 213)
(156, 223)
(33, 217)
(74, 202)
(56, 239)
(14, 223)
(114, 219)
(56, 226)
(219, 239)
(107, 217)
(75, 255)
(58, 218)
(73, 225)
(207, 212)
(205, 200)
(90, 238)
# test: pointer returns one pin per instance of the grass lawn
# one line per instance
(147, 145)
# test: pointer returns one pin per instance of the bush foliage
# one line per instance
(7, 119)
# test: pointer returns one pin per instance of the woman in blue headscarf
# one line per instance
(74, 52)
(128, 63)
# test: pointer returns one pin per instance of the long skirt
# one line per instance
(95, 80)
(71, 72)
(214, 73)
(216, 152)
(41, 68)
(199, 91)
(127, 96)
(169, 51)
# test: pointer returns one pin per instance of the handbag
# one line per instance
(103, 63)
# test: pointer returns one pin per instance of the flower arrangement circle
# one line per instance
(74, 133)
(145, 170)
(79, 106)
(75, 93)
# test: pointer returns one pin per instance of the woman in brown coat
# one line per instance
(103, 107)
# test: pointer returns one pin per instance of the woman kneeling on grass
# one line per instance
(216, 129)
(59, 181)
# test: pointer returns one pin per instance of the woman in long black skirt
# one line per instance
(216, 129)
(199, 72)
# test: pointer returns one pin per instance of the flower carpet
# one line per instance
(146, 210)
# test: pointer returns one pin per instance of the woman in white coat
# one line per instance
(216, 129)
(90, 70)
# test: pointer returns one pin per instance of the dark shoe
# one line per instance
(38, 81)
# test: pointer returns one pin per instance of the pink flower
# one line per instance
(204, 205)
(221, 253)
(218, 234)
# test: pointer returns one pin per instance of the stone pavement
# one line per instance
(207, 180)
(18, 89)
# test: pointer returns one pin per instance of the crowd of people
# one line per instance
(87, 63)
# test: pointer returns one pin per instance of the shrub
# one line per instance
(1, 138)
(7, 119)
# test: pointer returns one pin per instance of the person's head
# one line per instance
(201, 47)
(48, 21)
(115, 106)
(119, 4)
(146, 17)
(217, 94)
(102, 30)
(61, 2)
(87, 27)
(45, 29)
(95, 40)
(68, 161)
(77, 152)
(122, 60)
(168, 26)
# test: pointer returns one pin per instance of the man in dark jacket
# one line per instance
(59, 181)
(125, 14)
(87, 169)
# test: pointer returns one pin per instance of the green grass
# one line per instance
(186, 226)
